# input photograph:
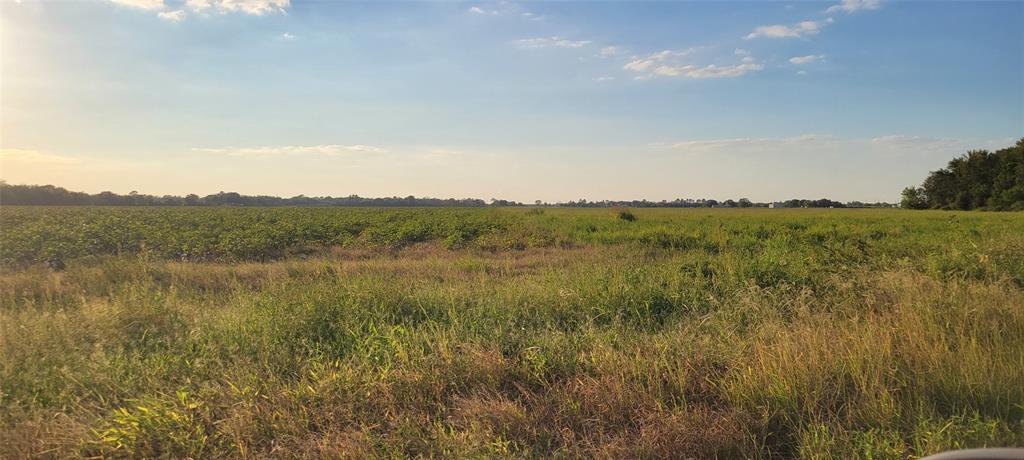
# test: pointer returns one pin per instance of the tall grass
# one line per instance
(703, 334)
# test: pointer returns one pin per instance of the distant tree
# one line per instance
(914, 198)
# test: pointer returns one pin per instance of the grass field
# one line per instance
(253, 333)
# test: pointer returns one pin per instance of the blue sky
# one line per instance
(554, 101)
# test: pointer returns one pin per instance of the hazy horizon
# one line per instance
(849, 100)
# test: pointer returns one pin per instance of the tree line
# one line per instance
(50, 195)
(978, 179)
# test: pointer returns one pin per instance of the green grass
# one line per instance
(509, 333)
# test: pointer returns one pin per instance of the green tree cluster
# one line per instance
(978, 179)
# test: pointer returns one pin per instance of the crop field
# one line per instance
(508, 332)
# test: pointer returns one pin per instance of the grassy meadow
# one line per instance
(481, 333)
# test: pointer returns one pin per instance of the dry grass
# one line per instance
(768, 348)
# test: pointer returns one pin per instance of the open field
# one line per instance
(313, 332)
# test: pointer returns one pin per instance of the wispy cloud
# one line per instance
(441, 155)
(604, 78)
(173, 16)
(742, 142)
(896, 138)
(935, 146)
(550, 42)
(916, 142)
(251, 7)
(897, 144)
(852, 6)
(800, 29)
(200, 6)
(504, 9)
(292, 150)
(151, 5)
(643, 64)
(35, 157)
(288, 36)
(806, 59)
(668, 63)
(708, 71)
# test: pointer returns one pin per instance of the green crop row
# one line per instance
(781, 245)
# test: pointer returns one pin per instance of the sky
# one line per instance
(553, 101)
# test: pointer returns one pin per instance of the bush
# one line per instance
(625, 215)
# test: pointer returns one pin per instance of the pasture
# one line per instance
(511, 332)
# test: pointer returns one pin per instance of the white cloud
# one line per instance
(806, 59)
(288, 36)
(552, 42)
(24, 156)
(151, 5)
(252, 7)
(801, 72)
(668, 63)
(639, 65)
(173, 16)
(199, 6)
(291, 150)
(642, 64)
(780, 31)
(708, 71)
(609, 51)
(741, 52)
(504, 9)
(604, 78)
(851, 6)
